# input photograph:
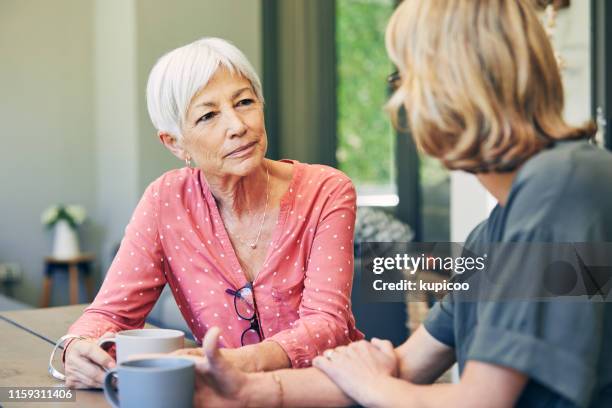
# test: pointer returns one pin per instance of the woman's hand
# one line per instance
(240, 358)
(86, 363)
(218, 381)
(359, 367)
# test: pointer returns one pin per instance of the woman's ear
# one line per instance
(172, 143)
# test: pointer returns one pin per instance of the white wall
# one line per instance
(116, 118)
(470, 204)
(572, 41)
(46, 107)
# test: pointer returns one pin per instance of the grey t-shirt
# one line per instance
(562, 194)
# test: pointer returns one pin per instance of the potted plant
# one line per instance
(64, 219)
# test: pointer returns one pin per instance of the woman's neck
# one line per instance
(498, 184)
(239, 194)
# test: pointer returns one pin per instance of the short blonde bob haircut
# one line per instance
(181, 73)
(479, 81)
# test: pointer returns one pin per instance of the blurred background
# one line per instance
(75, 129)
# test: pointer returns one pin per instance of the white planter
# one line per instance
(65, 242)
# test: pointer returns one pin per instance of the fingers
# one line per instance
(202, 365)
(84, 374)
(341, 349)
(330, 355)
(361, 344)
(210, 345)
(75, 384)
(82, 382)
(82, 371)
(383, 345)
(76, 380)
(94, 353)
(85, 371)
(358, 347)
(324, 364)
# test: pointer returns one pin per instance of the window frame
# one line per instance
(601, 64)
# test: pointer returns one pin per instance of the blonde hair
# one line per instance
(479, 82)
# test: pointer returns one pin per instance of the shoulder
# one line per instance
(569, 166)
(324, 177)
(173, 182)
(480, 237)
(322, 189)
(561, 189)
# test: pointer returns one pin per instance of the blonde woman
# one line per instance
(483, 94)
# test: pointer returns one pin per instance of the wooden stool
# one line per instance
(73, 265)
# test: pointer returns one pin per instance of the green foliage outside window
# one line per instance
(365, 135)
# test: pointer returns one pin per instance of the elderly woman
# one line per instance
(278, 235)
(483, 94)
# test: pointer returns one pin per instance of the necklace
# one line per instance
(253, 245)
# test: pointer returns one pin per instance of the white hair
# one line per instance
(181, 73)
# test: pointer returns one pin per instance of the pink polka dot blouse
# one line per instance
(176, 237)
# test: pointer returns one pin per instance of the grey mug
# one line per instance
(152, 383)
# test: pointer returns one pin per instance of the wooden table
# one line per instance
(26, 341)
(51, 323)
(24, 359)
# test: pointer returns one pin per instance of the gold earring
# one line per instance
(188, 161)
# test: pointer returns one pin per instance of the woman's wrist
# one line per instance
(261, 390)
(381, 393)
(265, 356)
(70, 342)
(241, 358)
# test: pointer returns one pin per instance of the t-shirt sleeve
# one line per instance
(553, 340)
(439, 322)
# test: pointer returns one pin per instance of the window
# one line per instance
(366, 139)
(366, 147)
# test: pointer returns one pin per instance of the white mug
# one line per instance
(140, 341)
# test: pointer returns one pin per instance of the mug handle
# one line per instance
(110, 391)
(102, 342)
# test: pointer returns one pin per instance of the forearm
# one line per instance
(263, 390)
(473, 391)
(265, 356)
(416, 371)
(422, 359)
(394, 392)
